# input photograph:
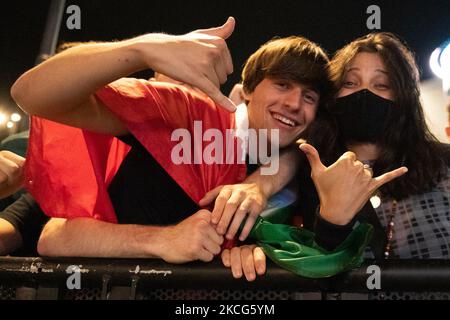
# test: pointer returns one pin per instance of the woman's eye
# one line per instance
(349, 84)
(382, 86)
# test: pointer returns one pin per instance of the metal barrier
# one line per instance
(39, 278)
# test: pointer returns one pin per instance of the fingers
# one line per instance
(215, 237)
(205, 255)
(220, 204)
(260, 261)
(368, 172)
(251, 218)
(212, 247)
(226, 258)
(248, 265)
(209, 197)
(220, 63)
(208, 242)
(228, 61)
(313, 157)
(211, 89)
(224, 31)
(236, 264)
(247, 227)
(236, 223)
(389, 176)
(20, 161)
(203, 215)
(247, 260)
(9, 167)
(231, 211)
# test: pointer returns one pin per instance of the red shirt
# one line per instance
(68, 169)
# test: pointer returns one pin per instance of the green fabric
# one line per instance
(295, 249)
(279, 215)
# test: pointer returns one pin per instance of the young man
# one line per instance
(154, 199)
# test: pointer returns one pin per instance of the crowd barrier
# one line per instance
(153, 279)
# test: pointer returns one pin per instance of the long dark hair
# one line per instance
(407, 140)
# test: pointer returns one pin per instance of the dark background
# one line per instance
(424, 25)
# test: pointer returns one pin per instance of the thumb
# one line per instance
(389, 176)
(210, 196)
(313, 157)
(223, 31)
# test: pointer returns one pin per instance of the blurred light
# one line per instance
(440, 61)
(15, 117)
(10, 124)
(440, 65)
(2, 118)
(434, 62)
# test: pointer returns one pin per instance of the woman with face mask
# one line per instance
(377, 115)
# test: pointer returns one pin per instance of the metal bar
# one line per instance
(396, 275)
(52, 28)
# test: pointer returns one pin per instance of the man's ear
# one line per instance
(447, 131)
(247, 96)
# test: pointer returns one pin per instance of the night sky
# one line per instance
(424, 25)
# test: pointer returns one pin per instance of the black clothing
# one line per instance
(142, 192)
(28, 218)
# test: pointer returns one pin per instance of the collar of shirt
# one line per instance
(242, 127)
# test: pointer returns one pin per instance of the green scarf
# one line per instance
(294, 249)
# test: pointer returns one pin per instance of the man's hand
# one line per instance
(250, 260)
(192, 239)
(233, 204)
(345, 186)
(200, 58)
(11, 173)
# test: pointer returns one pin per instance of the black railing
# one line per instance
(132, 279)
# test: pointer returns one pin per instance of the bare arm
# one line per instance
(62, 89)
(288, 167)
(234, 203)
(10, 238)
(191, 239)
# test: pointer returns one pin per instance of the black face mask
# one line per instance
(362, 116)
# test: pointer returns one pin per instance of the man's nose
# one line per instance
(293, 100)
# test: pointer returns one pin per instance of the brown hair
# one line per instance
(407, 140)
(292, 58)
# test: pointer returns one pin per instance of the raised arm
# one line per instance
(62, 88)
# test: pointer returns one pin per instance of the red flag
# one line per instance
(69, 170)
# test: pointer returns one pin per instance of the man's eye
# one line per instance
(310, 98)
(283, 85)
